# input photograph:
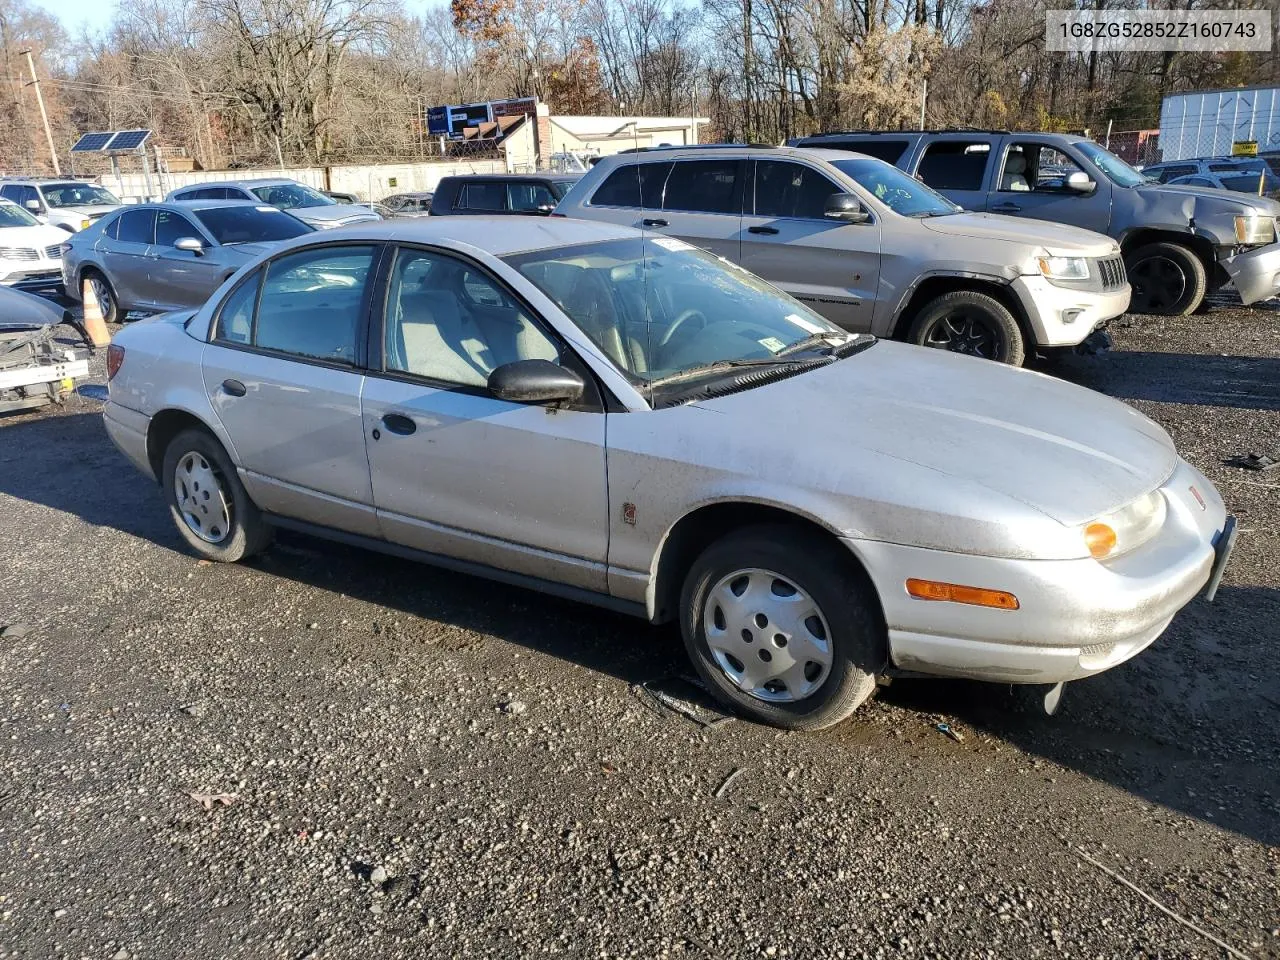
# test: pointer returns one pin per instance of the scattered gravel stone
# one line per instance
(16, 631)
(515, 707)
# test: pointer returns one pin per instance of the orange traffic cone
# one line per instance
(94, 325)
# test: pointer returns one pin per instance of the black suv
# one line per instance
(527, 194)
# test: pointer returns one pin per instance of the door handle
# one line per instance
(399, 423)
(233, 388)
(765, 230)
(654, 222)
(1005, 208)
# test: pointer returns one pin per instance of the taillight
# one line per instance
(115, 357)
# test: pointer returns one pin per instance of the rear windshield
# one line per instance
(247, 224)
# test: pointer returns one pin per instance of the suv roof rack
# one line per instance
(701, 146)
(25, 179)
(890, 133)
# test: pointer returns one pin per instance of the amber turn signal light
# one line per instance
(1100, 539)
(955, 593)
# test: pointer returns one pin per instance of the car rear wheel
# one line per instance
(207, 501)
(105, 296)
(1167, 280)
(782, 627)
(971, 323)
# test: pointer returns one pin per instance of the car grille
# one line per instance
(18, 253)
(1112, 270)
(54, 252)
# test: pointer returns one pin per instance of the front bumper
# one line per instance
(1062, 316)
(128, 431)
(1255, 273)
(1076, 617)
(31, 274)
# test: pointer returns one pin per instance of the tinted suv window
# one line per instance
(635, 185)
(529, 196)
(890, 151)
(955, 164)
(703, 186)
(312, 301)
(483, 196)
(791, 190)
(138, 226)
(171, 227)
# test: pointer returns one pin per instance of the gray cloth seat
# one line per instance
(1015, 173)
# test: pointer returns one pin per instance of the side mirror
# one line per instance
(34, 205)
(1080, 182)
(535, 381)
(190, 245)
(846, 207)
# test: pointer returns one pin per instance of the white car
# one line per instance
(30, 251)
(620, 417)
(71, 205)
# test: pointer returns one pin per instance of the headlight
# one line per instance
(1127, 528)
(1065, 268)
(1255, 229)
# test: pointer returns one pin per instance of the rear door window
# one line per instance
(137, 226)
(955, 164)
(633, 185)
(312, 302)
(525, 197)
(703, 186)
(487, 196)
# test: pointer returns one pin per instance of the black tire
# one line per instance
(971, 323)
(105, 293)
(1168, 280)
(245, 532)
(843, 596)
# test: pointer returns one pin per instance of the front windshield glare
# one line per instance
(660, 308)
(1116, 169)
(288, 196)
(899, 192)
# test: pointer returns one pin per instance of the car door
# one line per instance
(125, 257)
(283, 372)
(830, 265)
(457, 471)
(180, 278)
(959, 167)
(1040, 190)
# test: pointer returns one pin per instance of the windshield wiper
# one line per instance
(814, 340)
(719, 365)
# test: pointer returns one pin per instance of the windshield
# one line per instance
(661, 308)
(287, 196)
(1117, 170)
(77, 195)
(12, 215)
(246, 224)
(901, 193)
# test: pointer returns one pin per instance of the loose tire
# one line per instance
(971, 323)
(1167, 279)
(106, 295)
(782, 627)
(209, 505)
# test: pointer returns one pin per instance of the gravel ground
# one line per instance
(327, 753)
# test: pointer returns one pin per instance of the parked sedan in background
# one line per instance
(307, 204)
(162, 256)
(619, 417)
(408, 204)
(30, 251)
(530, 194)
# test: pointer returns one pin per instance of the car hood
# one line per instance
(1228, 201)
(88, 210)
(251, 250)
(38, 237)
(1057, 239)
(335, 215)
(19, 310)
(1067, 452)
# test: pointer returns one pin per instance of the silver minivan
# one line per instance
(868, 246)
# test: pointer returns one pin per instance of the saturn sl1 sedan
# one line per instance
(620, 417)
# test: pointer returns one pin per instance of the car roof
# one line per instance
(702, 153)
(258, 182)
(539, 177)
(192, 205)
(499, 236)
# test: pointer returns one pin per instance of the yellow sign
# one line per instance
(1244, 148)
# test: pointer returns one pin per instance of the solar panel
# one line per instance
(93, 142)
(128, 140)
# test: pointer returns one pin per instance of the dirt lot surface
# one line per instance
(399, 762)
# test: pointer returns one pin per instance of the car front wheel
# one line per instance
(782, 627)
(1167, 279)
(972, 323)
(105, 296)
(207, 501)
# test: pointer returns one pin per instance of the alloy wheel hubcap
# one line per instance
(102, 294)
(963, 332)
(201, 499)
(767, 635)
(1158, 283)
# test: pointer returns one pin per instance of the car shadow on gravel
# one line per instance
(1243, 382)
(1189, 724)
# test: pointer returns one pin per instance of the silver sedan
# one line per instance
(625, 419)
(165, 256)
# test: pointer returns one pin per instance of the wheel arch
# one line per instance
(931, 287)
(1201, 246)
(702, 526)
(166, 425)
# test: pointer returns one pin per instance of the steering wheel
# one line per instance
(680, 321)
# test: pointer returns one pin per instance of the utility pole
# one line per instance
(35, 82)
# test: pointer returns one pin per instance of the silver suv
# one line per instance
(71, 205)
(867, 246)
